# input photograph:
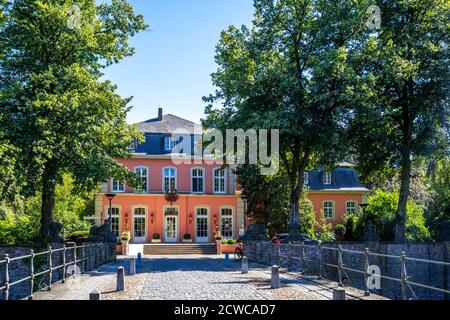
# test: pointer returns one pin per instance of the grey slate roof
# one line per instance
(169, 124)
(343, 178)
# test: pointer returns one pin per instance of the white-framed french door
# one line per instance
(139, 225)
(201, 225)
(171, 229)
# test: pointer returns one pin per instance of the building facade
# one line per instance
(205, 195)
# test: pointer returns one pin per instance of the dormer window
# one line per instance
(306, 178)
(169, 143)
(327, 177)
(117, 186)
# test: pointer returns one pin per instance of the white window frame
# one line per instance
(169, 143)
(333, 208)
(224, 180)
(327, 177)
(119, 215)
(232, 221)
(208, 215)
(114, 184)
(356, 206)
(147, 176)
(306, 178)
(164, 178)
(192, 180)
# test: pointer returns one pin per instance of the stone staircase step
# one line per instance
(179, 249)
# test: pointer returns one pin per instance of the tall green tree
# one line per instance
(401, 92)
(289, 72)
(54, 107)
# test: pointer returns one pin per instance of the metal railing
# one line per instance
(90, 256)
(404, 279)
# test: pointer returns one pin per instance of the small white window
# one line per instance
(170, 179)
(197, 180)
(327, 177)
(306, 178)
(169, 143)
(143, 179)
(351, 207)
(328, 210)
(117, 186)
(219, 181)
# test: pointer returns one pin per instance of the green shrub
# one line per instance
(156, 236)
(78, 236)
(381, 212)
(339, 230)
(187, 236)
(324, 231)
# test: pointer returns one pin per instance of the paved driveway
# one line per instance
(190, 277)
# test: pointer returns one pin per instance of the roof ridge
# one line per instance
(170, 114)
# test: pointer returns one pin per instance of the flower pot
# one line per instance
(187, 240)
(156, 240)
(229, 248)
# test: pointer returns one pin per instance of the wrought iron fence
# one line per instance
(88, 256)
(404, 279)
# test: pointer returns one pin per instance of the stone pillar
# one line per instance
(275, 281)
(244, 265)
(132, 266)
(120, 279)
(339, 294)
(95, 295)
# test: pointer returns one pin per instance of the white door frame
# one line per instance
(202, 239)
(170, 240)
(139, 240)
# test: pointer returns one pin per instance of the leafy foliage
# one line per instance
(54, 107)
(381, 212)
(324, 231)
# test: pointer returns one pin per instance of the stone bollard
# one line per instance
(95, 295)
(132, 266)
(244, 265)
(275, 281)
(120, 279)
(339, 294)
(139, 259)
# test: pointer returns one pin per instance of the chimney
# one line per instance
(160, 114)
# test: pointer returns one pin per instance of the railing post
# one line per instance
(320, 261)
(280, 259)
(30, 297)
(50, 268)
(64, 264)
(6, 293)
(74, 259)
(404, 276)
(303, 258)
(340, 265)
(289, 257)
(366, 271)
(83, 253)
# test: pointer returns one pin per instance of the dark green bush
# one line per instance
(339, 230)
(156, 236)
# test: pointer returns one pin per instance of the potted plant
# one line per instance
(229, 246)
(187, 238)
(156, 238)
(218, 238)
(125, 237)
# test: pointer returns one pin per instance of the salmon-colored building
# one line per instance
(198, 198)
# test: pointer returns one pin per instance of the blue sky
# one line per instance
(173, 61)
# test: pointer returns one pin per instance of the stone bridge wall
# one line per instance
(423, 273)
(20, 269)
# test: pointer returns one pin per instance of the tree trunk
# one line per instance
(400, 226)
(294, 201)
(48, 201)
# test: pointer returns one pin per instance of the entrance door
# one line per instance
(201, 222)
(171, 229)
(139, 223)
